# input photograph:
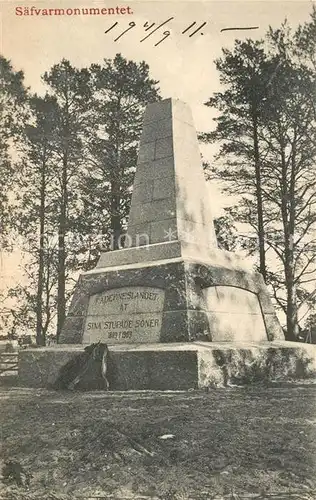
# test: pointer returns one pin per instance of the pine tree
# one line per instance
(71, 89)
(267, 132)
(13, 115)
(122, 89)
(245, 74)
(74, 177)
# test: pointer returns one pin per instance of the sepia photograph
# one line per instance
(158, 250)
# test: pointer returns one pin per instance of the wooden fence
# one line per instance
(8, 363)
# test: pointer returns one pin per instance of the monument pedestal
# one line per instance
(162, 293)
(180, 366)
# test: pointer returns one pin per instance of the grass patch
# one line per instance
(241, 440)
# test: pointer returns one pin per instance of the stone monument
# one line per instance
(176, 311)
(170, 283)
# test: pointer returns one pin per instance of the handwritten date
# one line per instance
(191, 30)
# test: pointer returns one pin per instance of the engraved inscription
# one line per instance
(125, 315)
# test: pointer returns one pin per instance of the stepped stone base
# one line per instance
(220, 300)
(180, 366)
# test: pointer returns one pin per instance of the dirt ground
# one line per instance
(257, 442)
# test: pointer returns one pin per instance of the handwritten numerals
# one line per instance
(156, 29)
(131, 26)
(150, 28)
(146, 25)
(195, 31)
(111, 27)
(166, 34)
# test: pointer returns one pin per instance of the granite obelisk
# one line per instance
(170, 200)
(170, 283)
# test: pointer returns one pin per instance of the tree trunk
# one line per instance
(291, 309)
(291, 313)
(40, 336)
(261, 235)
(61, 299)
(116, 226)
(47, 289)
(288, 217)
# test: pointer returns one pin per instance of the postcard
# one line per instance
(158, 249)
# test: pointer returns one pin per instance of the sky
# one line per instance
(183, 65)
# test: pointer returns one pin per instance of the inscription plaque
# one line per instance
(124, 315)
(234, 314)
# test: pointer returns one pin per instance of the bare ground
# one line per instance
(257, 442)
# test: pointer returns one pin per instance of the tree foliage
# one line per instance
(267, 128)
(13, 114)
(122, 89)
(75, 170)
